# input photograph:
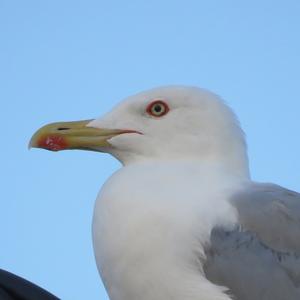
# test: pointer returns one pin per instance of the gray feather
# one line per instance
(260, 258)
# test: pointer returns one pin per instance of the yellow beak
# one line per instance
(73, 135)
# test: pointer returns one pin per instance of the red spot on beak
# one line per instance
(52, 143)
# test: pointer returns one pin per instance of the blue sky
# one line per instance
(70, 60)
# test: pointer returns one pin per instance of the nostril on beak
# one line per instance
(63, 128)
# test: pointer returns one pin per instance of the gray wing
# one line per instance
(260, 258)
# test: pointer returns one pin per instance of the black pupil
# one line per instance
(158, 108)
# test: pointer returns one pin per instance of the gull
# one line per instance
(182, 218)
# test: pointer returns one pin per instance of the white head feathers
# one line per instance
(198, 126)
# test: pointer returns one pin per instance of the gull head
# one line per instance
(165, 123)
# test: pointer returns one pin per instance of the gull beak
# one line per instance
(74, 135)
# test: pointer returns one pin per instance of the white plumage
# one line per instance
(154, 218)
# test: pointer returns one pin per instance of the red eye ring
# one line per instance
(157, 108)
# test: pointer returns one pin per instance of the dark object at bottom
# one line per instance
(13, 287)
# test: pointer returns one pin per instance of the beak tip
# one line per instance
(30, 144)
(33, 142)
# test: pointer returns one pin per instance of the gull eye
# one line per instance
(157, 108)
